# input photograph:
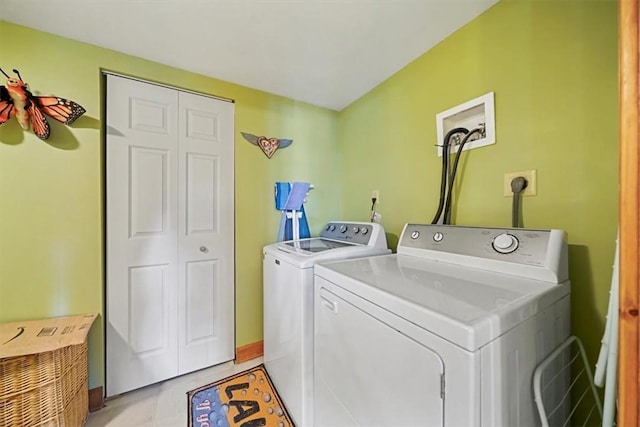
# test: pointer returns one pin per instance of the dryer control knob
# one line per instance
(365, 230)
(343, 228)
(356, 230)
(505, 243)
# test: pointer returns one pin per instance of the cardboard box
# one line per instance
(39, 336)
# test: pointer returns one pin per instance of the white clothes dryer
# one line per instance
(447, 332)
(288, 305)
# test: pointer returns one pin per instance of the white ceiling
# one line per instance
(324, 52)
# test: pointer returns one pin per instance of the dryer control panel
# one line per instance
(537, 254)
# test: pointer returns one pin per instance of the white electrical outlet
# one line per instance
(530, 176)
(375, 194)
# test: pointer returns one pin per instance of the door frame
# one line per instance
(629, 212)
(105, 71)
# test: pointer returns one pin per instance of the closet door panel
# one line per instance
(206, 232)
(142, 224)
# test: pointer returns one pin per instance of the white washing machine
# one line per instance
(447, 332)
(288, 305)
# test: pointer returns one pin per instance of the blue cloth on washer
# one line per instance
(289, 198)
(297, 195)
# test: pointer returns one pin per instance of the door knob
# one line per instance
(204, 249)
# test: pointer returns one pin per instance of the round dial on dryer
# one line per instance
(364, 230)
(343, 228)
(356, 230)
(505, 243)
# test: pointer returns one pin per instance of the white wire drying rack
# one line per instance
(563, 387)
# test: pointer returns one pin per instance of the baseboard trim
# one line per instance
(249, 351)
(96, 399)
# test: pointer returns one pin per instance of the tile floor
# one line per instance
(163, 404)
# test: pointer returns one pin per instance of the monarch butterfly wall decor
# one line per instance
(16, 100)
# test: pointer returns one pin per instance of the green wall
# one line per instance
(551, 64)
(553, 68)
(51, 193)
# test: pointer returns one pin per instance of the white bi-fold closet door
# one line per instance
(169, 232)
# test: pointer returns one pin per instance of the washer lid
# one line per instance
(311, 246)
(305, 253)
(468, 307)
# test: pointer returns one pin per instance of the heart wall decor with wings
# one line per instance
(17, 101)
(267, 145)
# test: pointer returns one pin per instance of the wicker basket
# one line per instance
(45, 389)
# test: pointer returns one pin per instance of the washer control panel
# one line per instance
(495, 249)
(353, 232)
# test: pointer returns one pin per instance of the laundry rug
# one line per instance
(246, 399)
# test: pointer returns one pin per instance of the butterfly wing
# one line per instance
(6, 105)
(61, 109)
(38, 121)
